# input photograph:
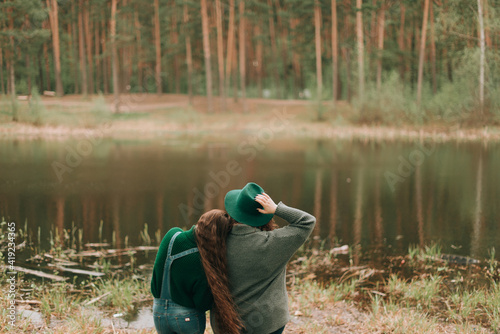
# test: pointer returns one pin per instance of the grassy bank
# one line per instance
(149, 116)
(331, 291)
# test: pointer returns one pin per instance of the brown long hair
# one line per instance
(211, 233)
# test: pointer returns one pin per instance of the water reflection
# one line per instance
(476, 231)
(358, 217)
(452, 197)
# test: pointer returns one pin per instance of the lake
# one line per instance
(379, 195)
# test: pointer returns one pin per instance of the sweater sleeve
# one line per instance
(285, 241)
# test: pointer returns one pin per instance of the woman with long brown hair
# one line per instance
(211, 233)
(190, 277)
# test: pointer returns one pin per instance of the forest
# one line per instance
(427, 59)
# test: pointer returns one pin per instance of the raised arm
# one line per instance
(284, 242)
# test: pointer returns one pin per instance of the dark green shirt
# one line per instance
(188, 282)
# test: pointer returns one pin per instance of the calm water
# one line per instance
(373, 194)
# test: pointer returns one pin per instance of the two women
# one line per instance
(243, 256)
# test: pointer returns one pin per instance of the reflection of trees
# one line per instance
(87, 223)
(476, 231)
(159, 209)
(429, 219)
(434, 203)
(297, 189)
(358, 217)
(418, 199)
(333, 207)
(115, 216)
(318, 189)
(59, 200)
(379, 228)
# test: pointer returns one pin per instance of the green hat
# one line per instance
(242, 207)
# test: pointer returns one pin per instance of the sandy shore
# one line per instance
(149, 116)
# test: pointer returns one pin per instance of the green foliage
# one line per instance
(391, 104)
(36, 108)
(98, 115)
(455, 25)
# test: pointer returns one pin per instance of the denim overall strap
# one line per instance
(165, 287)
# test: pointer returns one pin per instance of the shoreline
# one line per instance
(299, 130)
(171, 115)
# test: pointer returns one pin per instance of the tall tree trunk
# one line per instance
(83, 65)
(401, 43)
(158, 48)
(128, 51)
(12, 61)
(482, 56)
(114, 59)
(175, 42)
(347, 60)
(433, 51)
(98, 69)
(371, 41)
(274, 49)
(88, 42)
(28, 75)
(54, 25)
(242, 55)
(72, 32)
(235, 70)
(220, 54)
(317, 37)
(361, 49)
(47, 65)
(284, 44)
(189, 57)
(206, 53)
(335, 52)
(296, 60)
(139, 52)
(380, 46)
(230, 45)
(105, 62)
(422, 53)
(259, 49)
(1, 73)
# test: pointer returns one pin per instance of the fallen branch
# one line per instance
(79, 271)
(96, 244)
(92, 301)
(31, 302)
(38, 273)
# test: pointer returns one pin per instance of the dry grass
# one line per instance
(411, 295)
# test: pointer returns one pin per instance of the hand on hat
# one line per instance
(267, 202)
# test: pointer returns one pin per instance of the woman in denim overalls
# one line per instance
(190, 266)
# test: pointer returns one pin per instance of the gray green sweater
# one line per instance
(256, 266)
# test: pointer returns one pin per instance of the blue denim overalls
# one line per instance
(172, 318)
